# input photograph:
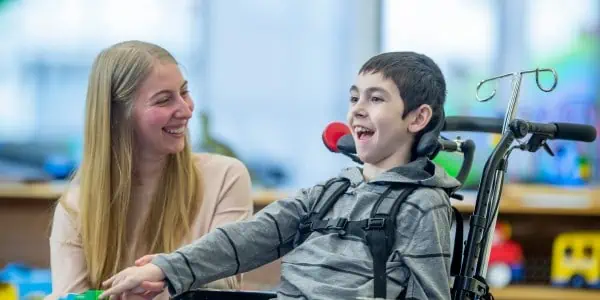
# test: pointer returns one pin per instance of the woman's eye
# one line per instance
(163, 100)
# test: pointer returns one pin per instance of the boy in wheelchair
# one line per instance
(380, 231)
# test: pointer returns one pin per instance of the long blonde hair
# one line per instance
(105, 174)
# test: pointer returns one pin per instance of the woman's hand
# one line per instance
(146, 281)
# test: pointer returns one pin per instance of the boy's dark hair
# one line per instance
(418, 78)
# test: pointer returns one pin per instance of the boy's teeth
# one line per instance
(362, 130)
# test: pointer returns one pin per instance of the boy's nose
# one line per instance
(359, 111)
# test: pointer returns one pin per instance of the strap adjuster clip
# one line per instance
(375, 223)
(339, 224)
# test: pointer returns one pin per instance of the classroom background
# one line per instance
(267, 76)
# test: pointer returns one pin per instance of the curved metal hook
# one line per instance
(493, 92)
(537, 79)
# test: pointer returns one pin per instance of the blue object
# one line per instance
(59, 167)
(29, 282)
(578, 282)
(71, 296)
(517, 273)
(595, 285)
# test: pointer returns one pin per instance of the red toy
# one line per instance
(506, 258)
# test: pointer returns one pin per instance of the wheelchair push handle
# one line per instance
(561, 131)
(473, 124)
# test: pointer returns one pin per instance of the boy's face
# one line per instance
(381, 136)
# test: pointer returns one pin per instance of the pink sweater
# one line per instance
(227, 198)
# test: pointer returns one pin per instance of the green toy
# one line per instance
(88, 295)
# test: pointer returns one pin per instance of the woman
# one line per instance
(139, 188)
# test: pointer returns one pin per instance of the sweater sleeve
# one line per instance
(237, 247)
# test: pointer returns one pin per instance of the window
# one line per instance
(474, 40)
(461, 37)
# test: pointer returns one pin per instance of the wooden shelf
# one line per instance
(541, 200)
(525, 292)
(44, 191)
(516, 198)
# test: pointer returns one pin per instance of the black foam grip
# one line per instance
(575, 132)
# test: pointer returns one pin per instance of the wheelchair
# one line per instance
(470, 282)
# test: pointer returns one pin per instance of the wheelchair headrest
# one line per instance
(428, 144)
(337, 138)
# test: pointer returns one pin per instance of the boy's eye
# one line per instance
(184, 93)
(353, 99)
(376, 99)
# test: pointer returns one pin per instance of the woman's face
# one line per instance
(161, 111)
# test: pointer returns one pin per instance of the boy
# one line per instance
(396, 98)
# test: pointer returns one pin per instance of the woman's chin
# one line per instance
(174, 149)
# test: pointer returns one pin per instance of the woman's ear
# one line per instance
(420, 118)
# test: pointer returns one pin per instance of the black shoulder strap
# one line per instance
(342, 185)
(332, 189)
(381, 233)
(458, 244)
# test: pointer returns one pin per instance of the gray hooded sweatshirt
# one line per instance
(330, 266)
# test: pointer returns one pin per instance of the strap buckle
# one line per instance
(339, 224)
(375, 223)
(305, 226)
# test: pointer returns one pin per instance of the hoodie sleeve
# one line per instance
(423, 244)
(236, 248)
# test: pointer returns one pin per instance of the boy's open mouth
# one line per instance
(363, 133)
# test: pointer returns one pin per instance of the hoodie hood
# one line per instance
(421, 172)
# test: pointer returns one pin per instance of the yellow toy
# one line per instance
(576, 260)
(8, 292)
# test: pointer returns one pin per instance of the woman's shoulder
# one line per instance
(69, 200)
(65, 224)
(213, 164)
(226, 181)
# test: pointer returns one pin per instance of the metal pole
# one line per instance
(499, 176)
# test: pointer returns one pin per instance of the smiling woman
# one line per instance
(163, 109)
(139, 188)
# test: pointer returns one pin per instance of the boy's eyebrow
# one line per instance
(373, 89)
(370, 90)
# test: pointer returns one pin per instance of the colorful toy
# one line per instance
(19, 282)
(506, 258)
(88, 295)
(576, 260)
(8, 292)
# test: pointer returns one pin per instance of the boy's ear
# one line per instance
(420, 118)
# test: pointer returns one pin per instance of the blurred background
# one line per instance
(267, 76)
